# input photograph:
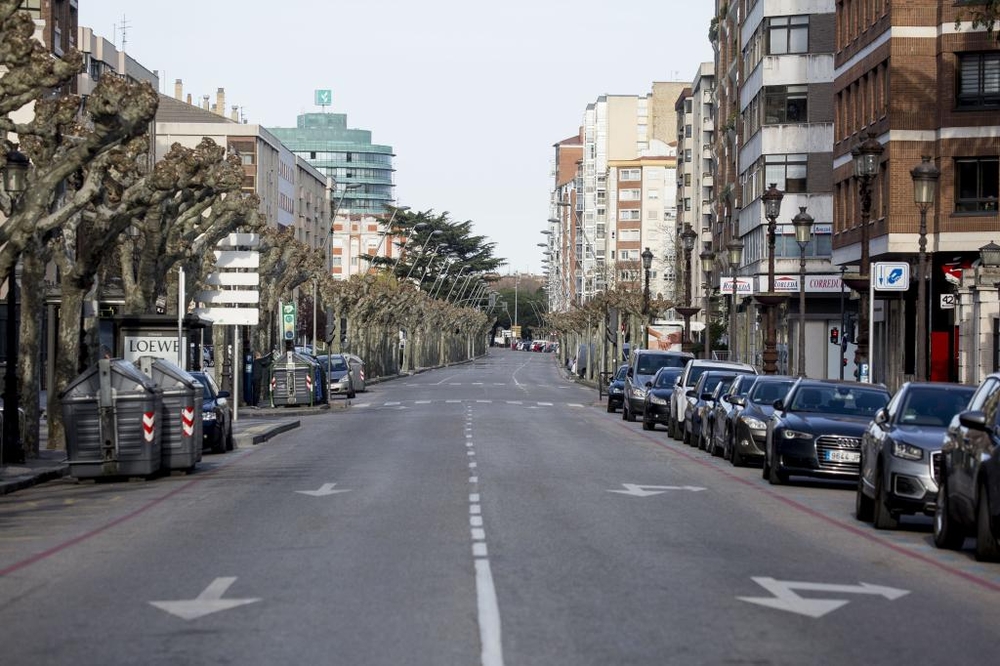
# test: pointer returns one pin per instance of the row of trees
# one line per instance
(99, 213)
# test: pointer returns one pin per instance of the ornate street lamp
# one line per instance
(15, 183)
(925, 176)
(688, 238)
(803, 223)
(735, 251)
(707, 265)
(866, 158)
(647, 263)
(772, 209)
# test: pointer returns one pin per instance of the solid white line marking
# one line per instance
(476, 521)
(475, 510)
(478, 534)
(489, 615)
(474, 497)
(479, 549)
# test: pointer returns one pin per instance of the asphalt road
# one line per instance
(473, 515)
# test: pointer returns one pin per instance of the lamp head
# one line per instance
(803, 223)
(925, 176)
(735, 250)
(772, 201)
(866, 157)
(688, 237)
(15, 173)
(647, 259)
(989, 254)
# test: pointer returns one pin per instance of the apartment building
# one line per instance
(562, 232)
(921, 85)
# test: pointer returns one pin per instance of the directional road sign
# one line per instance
(786, 599)
(636, 490)
(208, 602)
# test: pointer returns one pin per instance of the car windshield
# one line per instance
(742, 386)
(714, 380)
(650, 363)
(933, 406)
(622, 371)
(667, 378)
(846, 400)
(207, 392)
(765, 393)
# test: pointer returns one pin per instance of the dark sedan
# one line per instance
(616, 388)
(816, 429)
(216, 415)
(723, 415)
(702, 392)
(968, 500)
(656, 404)
(901, 448)
(750, 423)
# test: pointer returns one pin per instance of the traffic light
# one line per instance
(834, 336)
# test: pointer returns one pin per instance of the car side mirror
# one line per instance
(737, 400)
(881, 417)
(974, 419)
(649, 384)
(223, 394)
(706, 396)
(779, 405)
(691, 394)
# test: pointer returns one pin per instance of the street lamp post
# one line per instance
(647, 263)
(772, 208)
(433, 234)
(803, 223)
(419, 226)
(688, 237)
(866, 166)
(925, 176)
(735, 250)
(707, 264)
(14, 183)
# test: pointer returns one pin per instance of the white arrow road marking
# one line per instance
(208, 602)
(324, 490)
(785, 598)
(636, 490)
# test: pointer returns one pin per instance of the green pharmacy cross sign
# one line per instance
(324, 98)
(288, 320)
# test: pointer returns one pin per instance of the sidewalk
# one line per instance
(51, 464)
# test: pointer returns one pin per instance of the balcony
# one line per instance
(708, 124)
(707, 180)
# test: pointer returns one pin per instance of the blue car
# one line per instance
(216, 415)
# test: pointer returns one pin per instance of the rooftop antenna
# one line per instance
(123, 26)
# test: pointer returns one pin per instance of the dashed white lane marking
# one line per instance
(473, 479)
(475, 521)
(489, 611)
(479, 549)
(475, 509)
(471, 453)
(574, 404)
(514, 402)
(391, 404)
(422, 402)
(477, 383)
(545, 404)
(474, 498)
(472, 465)
(485, 402)
(478, 534)
(453, 401)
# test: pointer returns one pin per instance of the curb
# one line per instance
(265, 433)
(27, 481)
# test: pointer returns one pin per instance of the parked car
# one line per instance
(643, 364)
(816, 429)
(749, 429)
(616, 388)
(968, 500)
(656, 405)
(723, 414)
(346, 373)
(680, 399)
(900, 449)
(216, 415)
(703, 396)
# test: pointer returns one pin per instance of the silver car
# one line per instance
(345, 373)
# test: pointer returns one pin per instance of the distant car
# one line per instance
(656, 408)
(346, 374)
(749, 430)
(216, 415)
(968, 500)
(616, 389)
(723, 415)
(816, 429)
(643, 364)
(901, 448)
(680, 400)
(702, 401)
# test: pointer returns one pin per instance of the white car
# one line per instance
(680, 400)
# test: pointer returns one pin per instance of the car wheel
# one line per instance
(882, 517)
(647, 424)
(230, 440)
(219, 445)
(625, 410)
(685, 434)
(776, 476)
(987, 546)
(947, 532)
(864, 509)
(611, 407)
(735, 456)
(630, 417)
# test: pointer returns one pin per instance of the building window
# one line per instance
(979, 79)
(788, 171)
(977, 185)
(687, 131)
(787, 34)
(629, 195)
(630, 174)
(785, 104)
(687, 155)
(630, 214)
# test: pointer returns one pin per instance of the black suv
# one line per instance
(642, 365)
(968, 500)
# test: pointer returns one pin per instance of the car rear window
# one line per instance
(649, 363)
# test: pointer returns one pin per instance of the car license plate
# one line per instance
(836, 455)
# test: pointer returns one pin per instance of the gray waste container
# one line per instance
(180, 423)
(292, 381)
(112, 414)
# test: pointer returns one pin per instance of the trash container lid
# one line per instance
(125, 379)
(166, 374)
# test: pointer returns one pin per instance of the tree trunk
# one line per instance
(32, 308)
(66, 360)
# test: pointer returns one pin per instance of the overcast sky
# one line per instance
(470, 95)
